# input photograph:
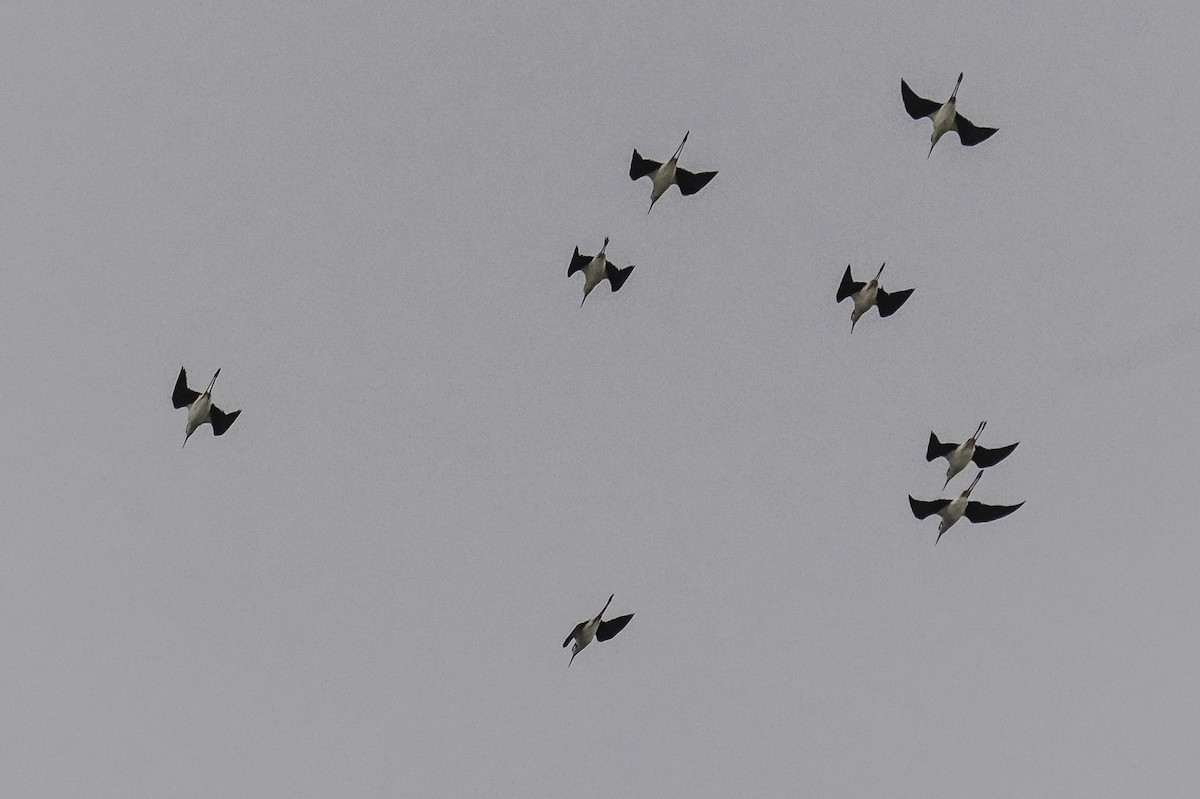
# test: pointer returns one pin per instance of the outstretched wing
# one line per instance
(222, 420)
(578, 262)
(937, 449)
(970, 134)
(640, 167)
(616, 277)
(978, 512)
(888, 304)
(183, 396)
(611, 627)
(848, 287)
(984, 457)
(917, 107)
(578, 629)
(692, 182)
(922, 508)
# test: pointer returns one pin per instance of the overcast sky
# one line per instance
(363, 214)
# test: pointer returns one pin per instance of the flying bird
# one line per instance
(596, 268)
(663, 175)
(867, 294)
(959, 455)
(585, 631)
(945, 117)
(951, 510)
(200, 407)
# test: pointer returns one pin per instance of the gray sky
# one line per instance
(363, 215)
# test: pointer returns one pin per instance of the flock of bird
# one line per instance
(597, 268)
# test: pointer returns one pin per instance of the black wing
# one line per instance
(574, 633)
(969, 134)
(923, 508)
(611, 627)
(978, 512)
(848, 287)
(183, 396)
(937, 449)
(984, 457)
(917, 107)
(692, 182)
(578, 262)
(616, 277)
(888, 304)
(222, 420)
(640, 167)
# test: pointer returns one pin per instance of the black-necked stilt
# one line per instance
(585, 631)
(200, 407)
(959, 455)
(867, 294)
(596, 268)
(663, 175)
(951, 510)
(944, 115)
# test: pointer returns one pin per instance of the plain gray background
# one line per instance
(363, 213)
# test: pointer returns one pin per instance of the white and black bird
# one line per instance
(663, 175)
(200, 407)
(959, 455)
(945, 116)
(951, 510)
(585, 631)
(596, 268)
(867, 294)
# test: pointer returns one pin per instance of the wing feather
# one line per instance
(917, 106)
(183, 396)
(970, 134)
(978, 512)
(611, 627)
(985, 457)
(923, 508)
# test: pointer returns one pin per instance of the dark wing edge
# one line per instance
(922, 508)
(937, 449)
(889, 303)
(848, 287)
(692, 182)
(616, 277)
(985, 457)
(611, 627)
(221, 420)
(574, 633)
(183, 396)
(969, 134)
(916, 106)
(578, 262)
(640, 167)
(978, 512)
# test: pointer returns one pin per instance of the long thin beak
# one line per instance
(939, 538)
(946, 483)
(581, 302)
(572, 660)
(931, 149)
